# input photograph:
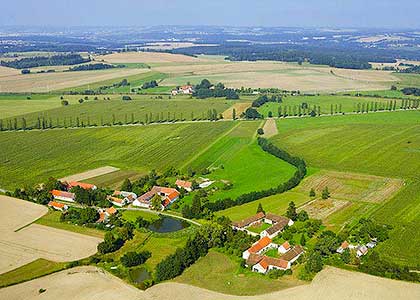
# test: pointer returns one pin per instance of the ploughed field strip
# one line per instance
(22, 242)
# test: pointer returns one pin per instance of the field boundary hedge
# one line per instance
(294, 181)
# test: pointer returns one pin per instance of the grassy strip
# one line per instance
(35, 269)
(52, 219)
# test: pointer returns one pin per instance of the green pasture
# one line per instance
(385, 144)
(141, 108)
(32, 157)
(236, 159)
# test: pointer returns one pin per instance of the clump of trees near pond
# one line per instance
(218, 234)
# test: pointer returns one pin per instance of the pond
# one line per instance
(138, 275)
(168, 224)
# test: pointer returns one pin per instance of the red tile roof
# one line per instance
(86, 186)
(286, 245)
(184, 184)
(101, 217)
(272, 261)
(115, 199)
(344, 245)
(261, 244)
(58, 193)
(56, 204)
(111, 210)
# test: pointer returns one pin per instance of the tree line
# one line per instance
(297, 177)
(391, 105)
(39, 61)
(215, 235)
(92, 67)
(44, 122)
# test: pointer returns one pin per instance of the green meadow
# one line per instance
(33, 156)
(384, 144)
(141, 108)
(135, 81)
(236, 159)
(12, 105)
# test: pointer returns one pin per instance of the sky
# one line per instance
(293, 13)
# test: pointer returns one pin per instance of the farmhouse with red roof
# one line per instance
(168, 196)
(86, 186)
(64, 196)
(57, 206)
(186, 185)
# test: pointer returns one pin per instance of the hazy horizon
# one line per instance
(386, 14)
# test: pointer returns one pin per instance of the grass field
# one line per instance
(35, 269)
(219, 272)
(132, 215)
(15, 105)
(374, 144)
(141, 109)
(237, 159)
(386, 144)
(32, 157)
(136, 80)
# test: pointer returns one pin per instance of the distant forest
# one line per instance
(40, 61)
(350, 58)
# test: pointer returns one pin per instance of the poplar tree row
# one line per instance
(43, 122)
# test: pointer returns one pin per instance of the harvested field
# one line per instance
(239, 107)
(79, 283)
(353, 186)
(5, 71)
(92, 283)
(321, 209)
(307, 78)
(45, 82)
(270, 128)
(89, 174)
(19, 247)
(173, 45)
(146, 57)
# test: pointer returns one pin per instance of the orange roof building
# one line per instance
(57, 205)
(168, 195)
(64, 196)
(86, 186)
(187, 185)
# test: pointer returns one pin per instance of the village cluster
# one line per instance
(166, 195)
(255, 257)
